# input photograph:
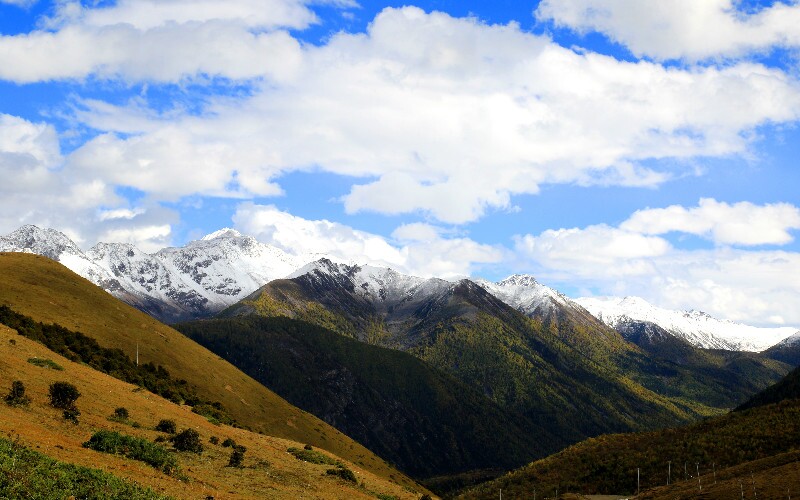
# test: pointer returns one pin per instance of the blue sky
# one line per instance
(609, 147)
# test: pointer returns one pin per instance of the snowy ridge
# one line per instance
(212, 273)
(698, 328)
(199, 279)
(525, 294)
(379, 285)
(790, 341)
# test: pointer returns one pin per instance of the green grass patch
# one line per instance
(312, 456)
(134, 448)
(28, 474)
(45, 363)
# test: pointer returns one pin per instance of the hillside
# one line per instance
(421, 419)
(761, 440)
(268, 470)
(462, 329)
(48, 292)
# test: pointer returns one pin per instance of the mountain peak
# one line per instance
(225, 232)
(519, 280)
(43, 241)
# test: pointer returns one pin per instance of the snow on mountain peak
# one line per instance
(525, 280)
(41, 241)
(225, 232)
(524, 293)
(697, 327)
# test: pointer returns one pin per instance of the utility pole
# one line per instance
(754, 484)
(637, 481)
(699, 486)
(714, 467)
(669, 472)
(685, 472)
(741, 488)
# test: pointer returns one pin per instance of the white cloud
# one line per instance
(36, 189)
(420, 250)
(148, 238)
(164, 41)
(729, 224)
(446, 116)
(19, 3)
(756, 286)
(676, 29)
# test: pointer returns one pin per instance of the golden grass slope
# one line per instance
(48, 292)
(42, 428)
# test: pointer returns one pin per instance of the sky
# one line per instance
(607, 147)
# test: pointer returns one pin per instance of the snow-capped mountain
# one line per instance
(698, 328)
(173, 284)
(381, 286)
(208, 275)
(525, 294)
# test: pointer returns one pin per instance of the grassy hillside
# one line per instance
(50, 293)
(268, 470)
(762, 438)
(423, 420)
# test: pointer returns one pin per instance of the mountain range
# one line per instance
(205, 276)
(446, 379)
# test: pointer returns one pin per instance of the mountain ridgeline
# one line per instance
(559, 367)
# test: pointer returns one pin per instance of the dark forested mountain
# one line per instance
(787, 388)
(558, 363)
(787, 350)
(419, 418)
(754, 445)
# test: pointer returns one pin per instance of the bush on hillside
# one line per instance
(228, 443)
(16, 396)
(343, 472)
(237, 456)
(134, 448)
(166, 425)
(121, 413)
(187, 440)
(63, 395)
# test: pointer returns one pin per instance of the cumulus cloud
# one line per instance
(19, 3)
(418, 249)
(681, 28)
(729, 224)
(164, 41)
(749, 285)
(36, 189)
(448, 117)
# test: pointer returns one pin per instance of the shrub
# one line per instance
(312, 456)
(45, 363)
(344, 473)
(187, 440)
(72, 414)
(121, 413)
(63, 395)
(166, 425)
(16, 396)
(237, 457)
(213, 440)
(425, 497)
(308, 447)
(228, 443)
(134, 448)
